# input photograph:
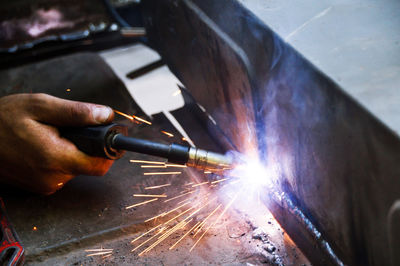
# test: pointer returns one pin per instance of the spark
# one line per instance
(106, 256)
(176, 165)
(150, 196)
(153, 166)
(98, 249)
(144, 242)
(68, 90)
(219, 217)
(160, 186)
(185, 235)
(207, 172)
(204, 221)
(99, 253)
(60, 184)
(141, 203)
(148, 232)
(141, 120)
(149, 162)
(162, 173)
(133, 117)
(184, 139)
(167, 133)
(188, 184)
(34, 228)
(179, 196)
(200, 184)
(218, 181)
(176, 93)
(166, 213)
(183, 201)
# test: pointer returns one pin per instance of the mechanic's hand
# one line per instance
(33, 156)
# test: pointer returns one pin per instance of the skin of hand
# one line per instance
(33, 156)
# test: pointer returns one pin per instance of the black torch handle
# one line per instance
(173, 152)
(110, 141)
(95, 140)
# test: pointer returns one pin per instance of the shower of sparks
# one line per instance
(150, 196)
(187, 193)
(153, 166)
(162, 173)
(148, 162)
(148, 240)
(141, 203)
(178, 226)
(201, 225)
(211, 225)
(185, 235)
(167, 133)
(159, 186)
(200, 184)
(133, 117)
(145, 233)
(168, 212)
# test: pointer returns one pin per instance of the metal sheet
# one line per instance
(337, 162)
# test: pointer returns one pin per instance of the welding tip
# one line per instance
(111, 142)
(208, 161)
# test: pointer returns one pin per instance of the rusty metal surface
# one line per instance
(336, 161)
(89, 212)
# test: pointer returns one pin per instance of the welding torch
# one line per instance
(111, 142)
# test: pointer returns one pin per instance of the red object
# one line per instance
(11, 250)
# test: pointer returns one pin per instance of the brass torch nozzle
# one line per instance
(208, 161)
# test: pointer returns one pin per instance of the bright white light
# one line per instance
(252, 173)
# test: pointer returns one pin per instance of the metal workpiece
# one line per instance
(207, 160)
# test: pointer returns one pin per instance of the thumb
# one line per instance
(59, 112)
